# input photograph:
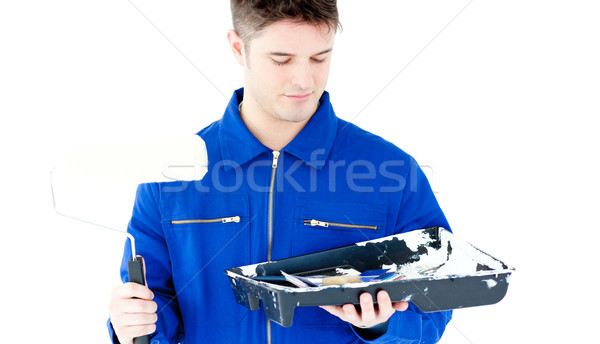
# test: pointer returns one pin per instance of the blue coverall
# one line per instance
(253, 206)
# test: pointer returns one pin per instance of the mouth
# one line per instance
(298, 97)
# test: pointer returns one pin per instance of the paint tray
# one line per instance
(439, 272)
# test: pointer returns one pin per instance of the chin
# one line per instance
(294, 118)
(298, 115)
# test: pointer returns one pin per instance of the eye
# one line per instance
(280, 63)
(318, 60)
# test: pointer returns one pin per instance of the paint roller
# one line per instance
(96, 184)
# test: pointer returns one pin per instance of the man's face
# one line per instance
(287, 69)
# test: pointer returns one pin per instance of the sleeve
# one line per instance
(411, 327)
(418, 209)
(145, 226)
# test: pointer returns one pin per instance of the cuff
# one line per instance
(373, 332)
(111, 332)
(402, 327)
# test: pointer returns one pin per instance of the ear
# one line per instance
(237, 47)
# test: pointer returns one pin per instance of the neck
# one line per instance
(270, 131)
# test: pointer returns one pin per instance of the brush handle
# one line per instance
(341, 280)
(135, 268)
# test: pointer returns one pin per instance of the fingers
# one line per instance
(385, 305)
(351, 314)
(132, 311)
(134, 319)
(131, 325)
(369, 314)
(400, 306)
(127, 333)
(130, 290)
(335, 310)
(117, 306)
(346, 312)
(132, 298)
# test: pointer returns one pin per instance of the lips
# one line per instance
(298, 97)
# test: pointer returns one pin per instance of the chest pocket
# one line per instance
(319, 226)
(205, 236)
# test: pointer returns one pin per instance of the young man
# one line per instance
(277, 158)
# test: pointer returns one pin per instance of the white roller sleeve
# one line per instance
(98, 183)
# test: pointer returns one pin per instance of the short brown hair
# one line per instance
(251, 16)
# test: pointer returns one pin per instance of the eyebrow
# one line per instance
(279, 53)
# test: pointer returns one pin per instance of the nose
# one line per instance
(302, 76)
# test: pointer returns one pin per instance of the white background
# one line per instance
(496, 97)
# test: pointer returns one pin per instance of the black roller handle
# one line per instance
(135, 268)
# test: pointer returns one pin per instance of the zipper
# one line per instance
(275, 161)
(317, 223)
(220, 219)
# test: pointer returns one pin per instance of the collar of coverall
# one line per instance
(312, 144)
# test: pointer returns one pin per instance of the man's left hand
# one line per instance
(368, 315)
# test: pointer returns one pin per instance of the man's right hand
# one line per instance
(132, 311)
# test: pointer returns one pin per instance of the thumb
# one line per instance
(141, 259)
